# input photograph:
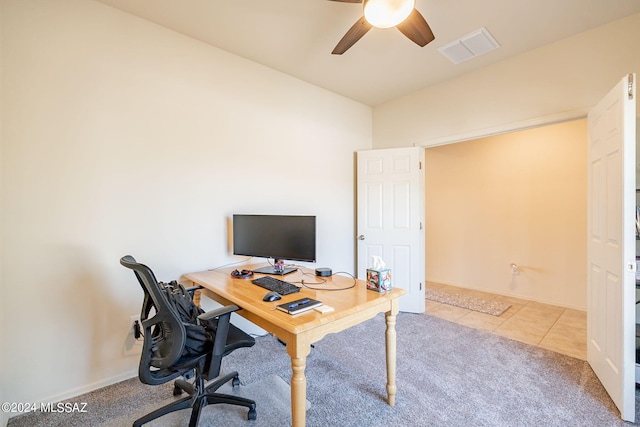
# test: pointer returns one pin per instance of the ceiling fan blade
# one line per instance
(354, 34)
(415, 27)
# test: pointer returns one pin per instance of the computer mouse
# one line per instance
(272, 296)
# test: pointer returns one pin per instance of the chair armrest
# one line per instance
(221, 327)
(205, 317)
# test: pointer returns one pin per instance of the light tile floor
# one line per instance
(554, 328)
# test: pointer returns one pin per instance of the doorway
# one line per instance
(511, 199)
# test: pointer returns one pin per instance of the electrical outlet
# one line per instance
(132, 346)
(515, 270)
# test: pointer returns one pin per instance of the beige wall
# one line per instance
(120, 136)
(514, 198)
(563, 79)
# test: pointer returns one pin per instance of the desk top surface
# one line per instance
(329, 290)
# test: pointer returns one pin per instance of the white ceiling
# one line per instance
(296, 36)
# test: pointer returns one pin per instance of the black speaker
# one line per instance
(323, 272)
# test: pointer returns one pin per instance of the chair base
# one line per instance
(199, 397)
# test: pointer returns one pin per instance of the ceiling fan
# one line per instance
(401, 14)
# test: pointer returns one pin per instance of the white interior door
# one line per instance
(611, 245)
(390, 187)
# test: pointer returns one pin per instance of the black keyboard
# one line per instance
(276, 285)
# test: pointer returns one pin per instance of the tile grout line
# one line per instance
(554, 324)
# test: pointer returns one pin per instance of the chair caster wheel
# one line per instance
(235, 382)
(252, 415)
(177, 391)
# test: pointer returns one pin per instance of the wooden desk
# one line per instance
(352, 306)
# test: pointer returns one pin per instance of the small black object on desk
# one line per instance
(323, 272)
(299, 306)
(242, 274)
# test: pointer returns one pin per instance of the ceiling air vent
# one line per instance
(469, 46)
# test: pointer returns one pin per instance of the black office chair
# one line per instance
(163, 353)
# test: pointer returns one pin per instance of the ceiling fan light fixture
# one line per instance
(387, 13)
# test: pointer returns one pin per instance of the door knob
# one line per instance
(361, 237)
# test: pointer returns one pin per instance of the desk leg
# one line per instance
(197, 298)
(391, 352)
(298, 350)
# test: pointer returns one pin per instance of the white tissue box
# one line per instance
(378, 280)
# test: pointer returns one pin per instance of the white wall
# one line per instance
(514, 198)
(565, 78)
(121, 137)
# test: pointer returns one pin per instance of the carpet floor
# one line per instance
(447, 375)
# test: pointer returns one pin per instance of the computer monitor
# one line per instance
(281, 237)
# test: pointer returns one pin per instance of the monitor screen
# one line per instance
(282, 237)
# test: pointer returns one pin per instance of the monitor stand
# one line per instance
(270, 270)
